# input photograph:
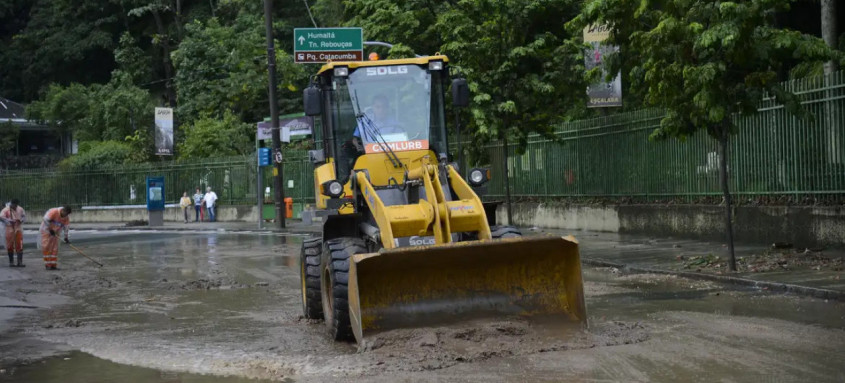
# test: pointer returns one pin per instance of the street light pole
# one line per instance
(278, 191)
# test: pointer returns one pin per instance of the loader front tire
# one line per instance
(499, 232)
(334, 284)
(309, 274)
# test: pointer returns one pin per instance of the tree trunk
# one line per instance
(833, 136)
(723, 174)
(168, 68)
(829, 30)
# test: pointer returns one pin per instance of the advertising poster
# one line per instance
(164, 131)
(297, 127)
(603, 93)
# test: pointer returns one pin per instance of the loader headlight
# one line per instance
(478, 177)
(332, 188)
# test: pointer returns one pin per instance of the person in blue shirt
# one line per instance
(378, 117)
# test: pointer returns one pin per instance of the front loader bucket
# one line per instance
(422, 286)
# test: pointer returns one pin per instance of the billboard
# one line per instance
(603, 93)
(297, 127)
(164, 131)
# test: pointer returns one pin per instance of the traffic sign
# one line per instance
(319, 45)
(263, 156)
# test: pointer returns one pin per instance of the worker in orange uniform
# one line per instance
(13, 216)
(56, 219)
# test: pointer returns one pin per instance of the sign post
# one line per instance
(319, 45)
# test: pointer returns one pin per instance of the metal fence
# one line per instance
(774, 155)
(232, 178)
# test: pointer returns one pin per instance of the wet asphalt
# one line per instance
(225, 307)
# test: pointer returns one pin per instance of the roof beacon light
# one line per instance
(341, 71)
(374, 56)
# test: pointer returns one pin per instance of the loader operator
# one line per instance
(56, 219)
(13, 216)
(376, 118)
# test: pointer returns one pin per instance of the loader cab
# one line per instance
(368, 107)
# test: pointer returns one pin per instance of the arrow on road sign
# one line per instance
(301, 40)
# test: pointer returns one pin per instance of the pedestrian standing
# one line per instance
(211, 204)
(57, 218)
(198, 205)
(13, 217)
(185, 203)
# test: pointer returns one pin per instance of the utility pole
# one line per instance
(278, 191)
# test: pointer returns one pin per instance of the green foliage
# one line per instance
(518, 59)
(519, 63)
(61, 42)
(223, 68)
(97, 112)
(703, 61)
(8, 137)
(209, 136)
(65, 109)
(95, 154)
(132, 60)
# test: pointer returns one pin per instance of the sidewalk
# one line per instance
(818, 273)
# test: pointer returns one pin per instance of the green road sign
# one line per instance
(319, 45)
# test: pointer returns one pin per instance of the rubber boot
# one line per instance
(20, 260)
(11, 260)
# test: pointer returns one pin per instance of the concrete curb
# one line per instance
(771, 286)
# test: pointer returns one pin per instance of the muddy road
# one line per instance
(224, 307)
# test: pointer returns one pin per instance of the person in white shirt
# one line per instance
(210, 199)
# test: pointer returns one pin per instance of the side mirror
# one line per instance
(460, 93)
(312, 102)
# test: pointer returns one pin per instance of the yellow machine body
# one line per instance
(451, 280)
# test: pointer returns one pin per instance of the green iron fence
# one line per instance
(232, 178)
(775, 155)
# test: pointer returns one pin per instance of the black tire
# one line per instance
(499, 232)
(335, 282)
(309, 274)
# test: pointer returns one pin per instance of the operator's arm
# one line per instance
(46, 222)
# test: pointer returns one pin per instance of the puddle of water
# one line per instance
(650, 294)
(80, 367)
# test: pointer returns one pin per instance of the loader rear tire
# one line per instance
(334, 284)
(499, 232)
(309, 274)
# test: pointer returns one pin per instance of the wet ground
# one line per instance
(224, 307)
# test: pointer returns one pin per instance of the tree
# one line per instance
(209, 136)
(8, 138)
(62, 42)
(93, 155)
(222, 68)
(704, 62)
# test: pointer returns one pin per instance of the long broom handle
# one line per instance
(83, 254)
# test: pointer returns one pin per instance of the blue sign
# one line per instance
(263, 156)
(155, 193)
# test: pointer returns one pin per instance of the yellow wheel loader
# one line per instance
(406, 241)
